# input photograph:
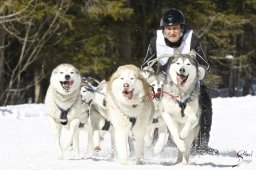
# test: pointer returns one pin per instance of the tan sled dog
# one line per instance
(129, 110)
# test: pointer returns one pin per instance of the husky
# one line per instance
(93, 95)
(180, 103)
(129, 110)
(87, 91)
(63, 106)
(157, 125)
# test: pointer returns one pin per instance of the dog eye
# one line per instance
(121, 78)
(132, 78)
(178, 63)
(188, 64)
(72, 72)
(153, 85)
(61, 72)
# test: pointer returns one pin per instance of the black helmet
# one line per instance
(172, 16)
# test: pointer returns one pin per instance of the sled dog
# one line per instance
(63, 106)
(129, 110)
(93, 94)
(157, 125)
(180, 106)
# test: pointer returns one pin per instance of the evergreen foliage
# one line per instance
(99, 35)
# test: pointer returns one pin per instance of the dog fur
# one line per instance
(157, 125)
(63, 106)
(129, 110)
(180, 106)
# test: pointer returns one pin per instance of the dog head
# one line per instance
(65, 79)
(127, 83)
(88, 87)
(154, 81)
(184, 69)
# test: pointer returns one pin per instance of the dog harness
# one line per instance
(106, 125)
(155, 120)
(132, 120)
(63, 115)
(88, 103)
(183, 106)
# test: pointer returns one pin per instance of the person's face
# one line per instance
(173, 32)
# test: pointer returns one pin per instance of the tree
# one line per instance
(28, 26)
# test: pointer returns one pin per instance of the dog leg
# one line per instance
(90, 140)
(113, 146)
(189, 125)
(73, 128)
(179, 157)
(162, 138)
(131, 145)
(96, 140)
(149, 135)
(139, 135)
(56, 130)
(121, 138)
(76, 144)
(174, 131)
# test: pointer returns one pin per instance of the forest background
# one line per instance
(97, 36)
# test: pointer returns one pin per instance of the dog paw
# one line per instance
(60, 157)
(123, 162)
(182, 135)
(181, 163)
(148, 142)
(139, 161)
(181, 146)
(158, 149)
(97, 149)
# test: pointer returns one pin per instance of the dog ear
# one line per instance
(192, 53)
(146, 73)
(201, 72)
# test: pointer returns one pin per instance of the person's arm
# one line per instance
(200, 55)
(148, 60)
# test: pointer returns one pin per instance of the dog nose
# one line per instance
(67, 76)
(126, 85)
(159, 89)
(182, 70)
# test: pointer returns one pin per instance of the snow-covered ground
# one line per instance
(26, 142)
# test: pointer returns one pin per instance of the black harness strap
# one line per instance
(155, 120)
(106, 125)
(183, 106)
(132, 120)
(83, 101)
(63, 115)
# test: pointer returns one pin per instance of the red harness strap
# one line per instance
(162, 92)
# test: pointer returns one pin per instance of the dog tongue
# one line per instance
(68, 83)
(128, 94)
(179, 79)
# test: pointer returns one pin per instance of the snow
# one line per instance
(26, 142)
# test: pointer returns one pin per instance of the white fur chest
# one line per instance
(172, 107)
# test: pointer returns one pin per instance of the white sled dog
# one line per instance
(63, 106)
(180, 101)
(156, 84)
(129, 110)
